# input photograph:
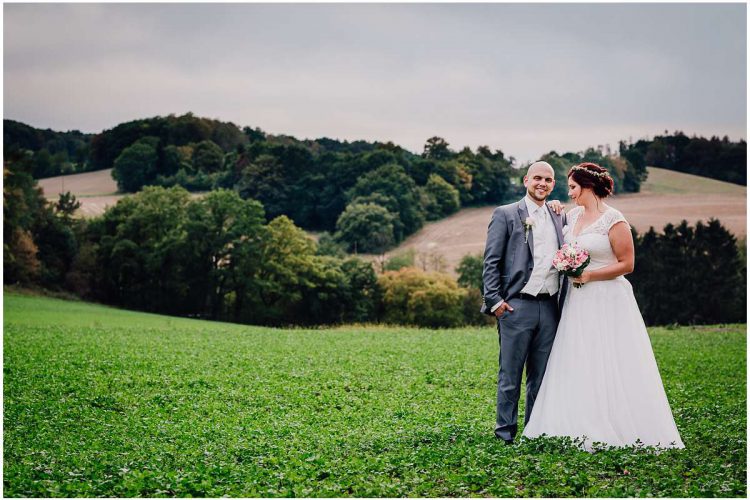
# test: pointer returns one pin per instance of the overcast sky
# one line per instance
(525, 79)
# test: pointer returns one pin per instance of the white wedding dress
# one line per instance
(602, 384)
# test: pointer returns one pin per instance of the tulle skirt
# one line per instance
(602, 384)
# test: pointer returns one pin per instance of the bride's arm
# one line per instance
(622, 245)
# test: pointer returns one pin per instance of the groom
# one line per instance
(521, 289)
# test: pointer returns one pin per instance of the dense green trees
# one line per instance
(22, 207)
(219, 230)
(441, 199)
(392, 188)
(39, 240)
(470, 271)
(717, 158)
(208, 157)
(137, 165)
(311, 181)
(365, 228)
(239, 253)
(690, 275)
(52, 153)
(216, 257)
(182, 130)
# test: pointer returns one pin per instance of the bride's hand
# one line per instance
(556, 206)
(585, 277)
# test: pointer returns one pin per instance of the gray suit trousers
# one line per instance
(526, 337)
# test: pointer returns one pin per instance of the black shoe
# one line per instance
(508, 442)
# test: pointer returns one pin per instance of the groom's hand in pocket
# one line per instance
(501, 310)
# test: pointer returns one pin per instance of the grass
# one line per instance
(105, 402)
(663, 181)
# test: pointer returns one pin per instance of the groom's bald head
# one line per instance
(542, 167)
(539, 180)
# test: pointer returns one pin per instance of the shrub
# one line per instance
(414, 297)
(401, 260)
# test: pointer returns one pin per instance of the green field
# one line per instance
(104, 402)
(663, 181)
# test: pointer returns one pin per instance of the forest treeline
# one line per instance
(239, 253)
(717, 158)
(219, 257)
(369, 196)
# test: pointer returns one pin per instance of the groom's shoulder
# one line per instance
(506, 209)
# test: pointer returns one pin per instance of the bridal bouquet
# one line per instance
(571, 260)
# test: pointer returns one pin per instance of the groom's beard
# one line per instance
(533, 195)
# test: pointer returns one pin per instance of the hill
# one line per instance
(667, 196)
(107, 402)
(95, 190)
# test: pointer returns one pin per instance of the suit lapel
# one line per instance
(523, 213)
(557, 221)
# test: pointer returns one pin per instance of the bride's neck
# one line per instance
(594, 205)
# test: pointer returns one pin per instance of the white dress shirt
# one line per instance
(544, 277)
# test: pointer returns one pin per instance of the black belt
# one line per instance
(539, 296)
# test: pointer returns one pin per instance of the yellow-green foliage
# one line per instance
(415, 297)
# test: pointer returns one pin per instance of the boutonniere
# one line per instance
(528, 225)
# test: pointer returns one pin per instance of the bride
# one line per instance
(602, 384)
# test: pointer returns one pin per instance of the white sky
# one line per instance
(523, 78)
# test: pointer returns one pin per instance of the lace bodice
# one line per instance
(594, 238)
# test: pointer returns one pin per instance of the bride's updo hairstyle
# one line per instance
(591, 175)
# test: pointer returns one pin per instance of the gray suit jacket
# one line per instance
(508, 258)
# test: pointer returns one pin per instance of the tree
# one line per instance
(442, 198)
(704, 261)
(23, 205)
(636, 173)
(400, 191)
(263, 180)
(490, 177)
(207, 157)
(363, 291)
(716, 259)
(366, 228)
(328, 245)
(283, 274)
(175, 158)
(66, 206)
(436, 148)
(140, 251)
(222, 246)
(470, 271)
(137, 165)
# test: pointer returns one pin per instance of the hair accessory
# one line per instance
(598, 174)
